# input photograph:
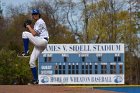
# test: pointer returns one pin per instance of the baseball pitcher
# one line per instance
(38, 36)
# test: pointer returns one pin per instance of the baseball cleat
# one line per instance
(33, 82)
(23, 54)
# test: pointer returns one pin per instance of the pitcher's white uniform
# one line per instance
(39, 41)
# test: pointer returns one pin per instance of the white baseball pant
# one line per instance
(39, 45)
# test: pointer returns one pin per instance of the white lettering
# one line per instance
(46, 67)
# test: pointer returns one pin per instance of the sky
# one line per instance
(6, 3)
(15, 2)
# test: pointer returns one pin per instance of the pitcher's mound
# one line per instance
(47, 89)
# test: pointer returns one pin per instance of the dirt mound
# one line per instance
(47, 89)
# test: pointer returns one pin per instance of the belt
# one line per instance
(46, 38)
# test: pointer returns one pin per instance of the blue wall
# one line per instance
(76, 64)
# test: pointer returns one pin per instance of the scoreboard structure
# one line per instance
(82, 64)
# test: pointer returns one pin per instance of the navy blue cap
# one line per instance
(35, 11)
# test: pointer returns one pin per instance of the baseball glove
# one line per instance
(27, 22)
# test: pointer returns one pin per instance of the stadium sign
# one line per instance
(82, 64)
